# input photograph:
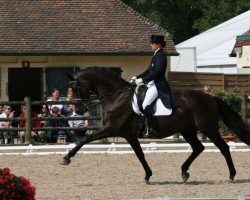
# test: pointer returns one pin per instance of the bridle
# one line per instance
(112, 95)
(86, 102)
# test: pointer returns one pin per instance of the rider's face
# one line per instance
(155, 46)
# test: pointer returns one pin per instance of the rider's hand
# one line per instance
(133, 79)
(138, 81)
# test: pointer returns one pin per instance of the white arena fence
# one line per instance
(239, 197)
(114, 148)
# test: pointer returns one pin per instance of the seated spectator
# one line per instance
(206, 89)
(1, 134)
(78, 123)
(52, 135)
(1, 109)
(34, 124)
(67, 108)
(43, 113)
(7, 135)
(55, 97)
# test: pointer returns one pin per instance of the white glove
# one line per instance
(138, 81)
(133, 79)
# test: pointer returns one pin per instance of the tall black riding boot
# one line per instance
(150, 121)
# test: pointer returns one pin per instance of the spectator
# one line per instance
(52, 135)
(206, 89)
(34, 124)
(7, 113)
(55, 97)
(1, 135)
(43, 113)
(1, 109)
(67, 108)
(78, 123)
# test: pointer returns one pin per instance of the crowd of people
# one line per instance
(45, 136)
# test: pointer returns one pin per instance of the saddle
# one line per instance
(157, 106)
(139, 96)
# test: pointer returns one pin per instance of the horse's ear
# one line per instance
(72, 84)
(70, 77)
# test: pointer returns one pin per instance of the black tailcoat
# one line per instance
(156, 71)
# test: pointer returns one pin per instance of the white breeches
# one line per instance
(151, 95)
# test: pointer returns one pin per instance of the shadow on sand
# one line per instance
(209, 182)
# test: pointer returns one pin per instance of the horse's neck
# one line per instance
(109, 87)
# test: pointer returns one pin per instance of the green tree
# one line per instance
(176, 16)
(216, 12)
(185, 18)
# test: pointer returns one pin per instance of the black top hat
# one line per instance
(157, 38)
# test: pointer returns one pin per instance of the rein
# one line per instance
(107, 97)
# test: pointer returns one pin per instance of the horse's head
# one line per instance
(102, 81)
(81, 89)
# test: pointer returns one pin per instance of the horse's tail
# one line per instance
(233, 121)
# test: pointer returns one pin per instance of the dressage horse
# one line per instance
(197, 111)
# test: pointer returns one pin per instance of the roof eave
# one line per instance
(232, 54)
(81, 54)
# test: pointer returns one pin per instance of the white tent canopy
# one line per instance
(214, 45)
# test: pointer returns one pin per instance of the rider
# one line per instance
(154, 78)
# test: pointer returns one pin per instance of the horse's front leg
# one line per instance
(88, 138)
(133, 141)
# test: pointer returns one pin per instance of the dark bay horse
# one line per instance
(197, 111)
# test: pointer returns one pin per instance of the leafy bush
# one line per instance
(233, 98)
(15, 188)
(104, 141)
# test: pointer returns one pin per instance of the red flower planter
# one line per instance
(14, 187)
(229, 138)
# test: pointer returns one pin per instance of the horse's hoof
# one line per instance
(147, 182)
(185, 176)
(65, 161)
(231, 179)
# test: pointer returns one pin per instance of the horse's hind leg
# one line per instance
(133, 141)
(192, 139)
(224, 149)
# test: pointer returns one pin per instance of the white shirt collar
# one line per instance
(156, 51)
